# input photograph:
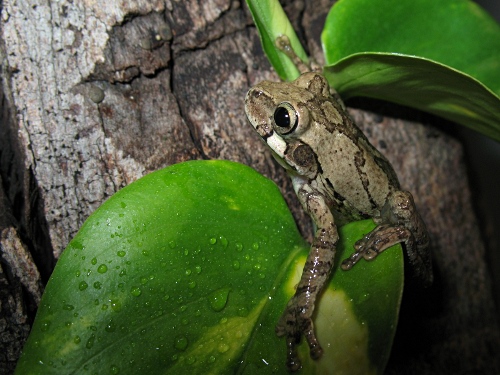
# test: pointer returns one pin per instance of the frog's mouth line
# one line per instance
(280, 160)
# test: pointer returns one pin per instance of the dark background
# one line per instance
(483, 156)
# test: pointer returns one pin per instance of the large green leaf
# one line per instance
(366, 40)
(421, 84)
(187, 271)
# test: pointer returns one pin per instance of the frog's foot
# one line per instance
(293, 324)
(379, 239)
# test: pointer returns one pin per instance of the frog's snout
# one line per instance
(257, 105)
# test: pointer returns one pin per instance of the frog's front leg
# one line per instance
(399, 222)
(297, 317)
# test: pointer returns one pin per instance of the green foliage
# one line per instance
(187, 270)
(421, 84)
(455, 33)
(272, 22)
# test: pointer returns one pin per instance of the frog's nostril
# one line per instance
(256, 93)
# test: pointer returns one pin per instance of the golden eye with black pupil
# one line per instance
(285, 118)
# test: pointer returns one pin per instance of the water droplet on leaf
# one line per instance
(223, 241)
(90, 342)
(218, 299)
(180, 343)
(242, 311)
(223, 347)
(115, 305)
(136, 291)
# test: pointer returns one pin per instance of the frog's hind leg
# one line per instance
(399, 222)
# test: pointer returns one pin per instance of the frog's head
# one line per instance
(280, 112)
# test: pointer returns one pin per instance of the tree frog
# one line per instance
(338, 177)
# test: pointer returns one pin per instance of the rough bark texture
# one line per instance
(96, 94)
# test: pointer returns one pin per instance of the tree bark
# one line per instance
(96, 94)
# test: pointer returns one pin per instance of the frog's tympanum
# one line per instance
(339, 177)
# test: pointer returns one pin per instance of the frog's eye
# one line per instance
(285, 118)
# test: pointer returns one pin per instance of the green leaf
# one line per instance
(419, 83)
(454, 34)
(188, 269)
(272, 22)
(457, 33)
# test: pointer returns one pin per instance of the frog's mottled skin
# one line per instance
(338, 177)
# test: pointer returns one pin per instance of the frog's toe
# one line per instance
(287, 328)
(371, 245)
(348, 263)
(293, 364)
(315, 350)
(292, 359)
(287, 324)
(370, 254)
(280, 330)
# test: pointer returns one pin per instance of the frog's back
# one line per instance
(357, 176)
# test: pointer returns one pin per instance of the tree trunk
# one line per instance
(96, 94)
